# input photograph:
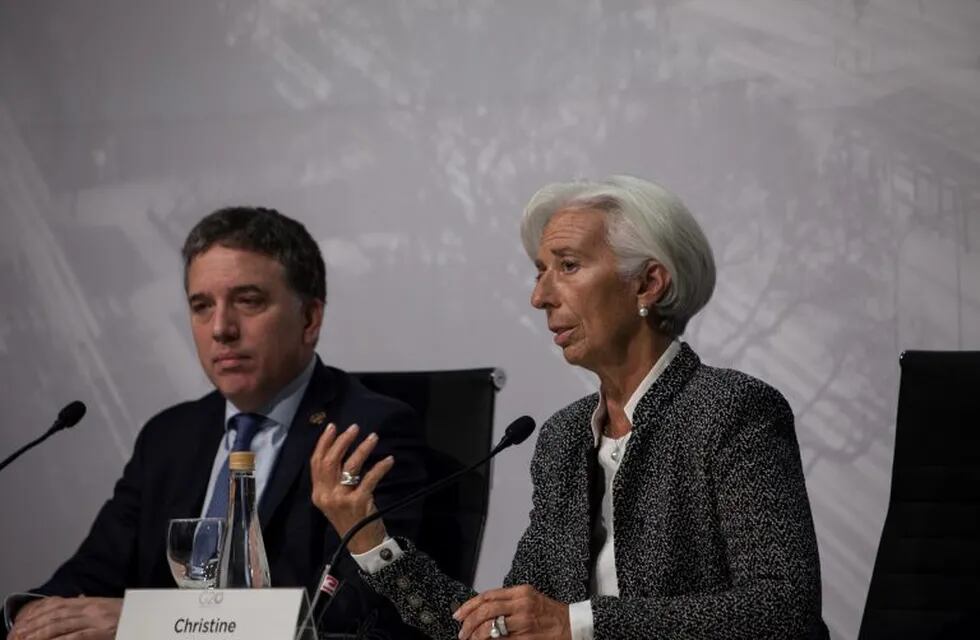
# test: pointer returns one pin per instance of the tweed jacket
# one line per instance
(714, 537)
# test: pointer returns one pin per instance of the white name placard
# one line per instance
(199, 614)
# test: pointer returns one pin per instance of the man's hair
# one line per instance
(268, 232)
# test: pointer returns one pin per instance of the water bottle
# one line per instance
(243, 561)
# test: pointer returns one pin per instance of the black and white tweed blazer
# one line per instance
(714, 537)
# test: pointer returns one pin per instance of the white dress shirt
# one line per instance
(604, 581)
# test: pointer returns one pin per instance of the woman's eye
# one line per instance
(569, 266)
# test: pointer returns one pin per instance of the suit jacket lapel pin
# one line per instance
(318, 418)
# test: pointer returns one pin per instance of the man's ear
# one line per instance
(654, 283)
(313, 316)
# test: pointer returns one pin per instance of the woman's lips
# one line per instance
(562, 336)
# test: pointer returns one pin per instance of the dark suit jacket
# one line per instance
(714, 537)
(168, 474)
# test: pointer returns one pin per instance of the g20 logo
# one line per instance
(210, 598)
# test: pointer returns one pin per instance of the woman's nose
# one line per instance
(542, 295)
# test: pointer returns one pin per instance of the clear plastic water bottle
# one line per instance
(243, 561)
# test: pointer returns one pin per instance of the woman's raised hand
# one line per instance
(343, 490)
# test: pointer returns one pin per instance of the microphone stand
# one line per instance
(26, 447)
(67, 417)
(507, 441)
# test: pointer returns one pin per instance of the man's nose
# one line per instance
(224, 326)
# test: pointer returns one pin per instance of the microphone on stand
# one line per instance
(516, 433)
(67, 417)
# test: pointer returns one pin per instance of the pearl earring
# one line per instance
(644, 312)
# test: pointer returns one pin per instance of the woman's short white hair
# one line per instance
(644, 221)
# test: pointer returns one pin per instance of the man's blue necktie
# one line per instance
(246, 425)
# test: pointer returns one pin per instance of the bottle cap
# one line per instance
(241, 461)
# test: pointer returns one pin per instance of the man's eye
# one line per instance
(199, 307)
(250, 302)
(569, 266)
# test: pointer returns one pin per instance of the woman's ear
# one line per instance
(654, 282)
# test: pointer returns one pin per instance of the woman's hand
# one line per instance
(528, 614)
(345, 505)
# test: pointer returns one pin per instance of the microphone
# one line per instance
(67, 417)
(516, 433)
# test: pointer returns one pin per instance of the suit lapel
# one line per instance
(582, 477)
(646, 420)
(197, 472)
(671, 381)
(294, 459)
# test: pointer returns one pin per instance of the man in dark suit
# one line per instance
(256, 289)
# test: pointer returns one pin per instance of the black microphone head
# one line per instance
(518, 430)
(71, 414)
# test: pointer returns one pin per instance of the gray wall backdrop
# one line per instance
(830, 148)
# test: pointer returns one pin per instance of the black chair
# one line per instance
(926, 580)
(456, 408)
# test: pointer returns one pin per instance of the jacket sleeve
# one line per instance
(765, 519)
(424, 596)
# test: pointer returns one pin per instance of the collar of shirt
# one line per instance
(599, 414)
(279, 411)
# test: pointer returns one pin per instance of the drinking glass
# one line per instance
(193, 550)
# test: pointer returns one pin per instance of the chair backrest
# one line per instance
(456, 408)
(926, 580)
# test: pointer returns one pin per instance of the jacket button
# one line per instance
(402, 583)
(386, 554)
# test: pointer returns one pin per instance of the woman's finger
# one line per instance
(477, 609)
(476, 624)
(374, 475)
(460, 614)
(335, 454)
(323, 444)
(479, 599)
(355, 461)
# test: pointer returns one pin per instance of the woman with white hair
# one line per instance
(669, 505)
